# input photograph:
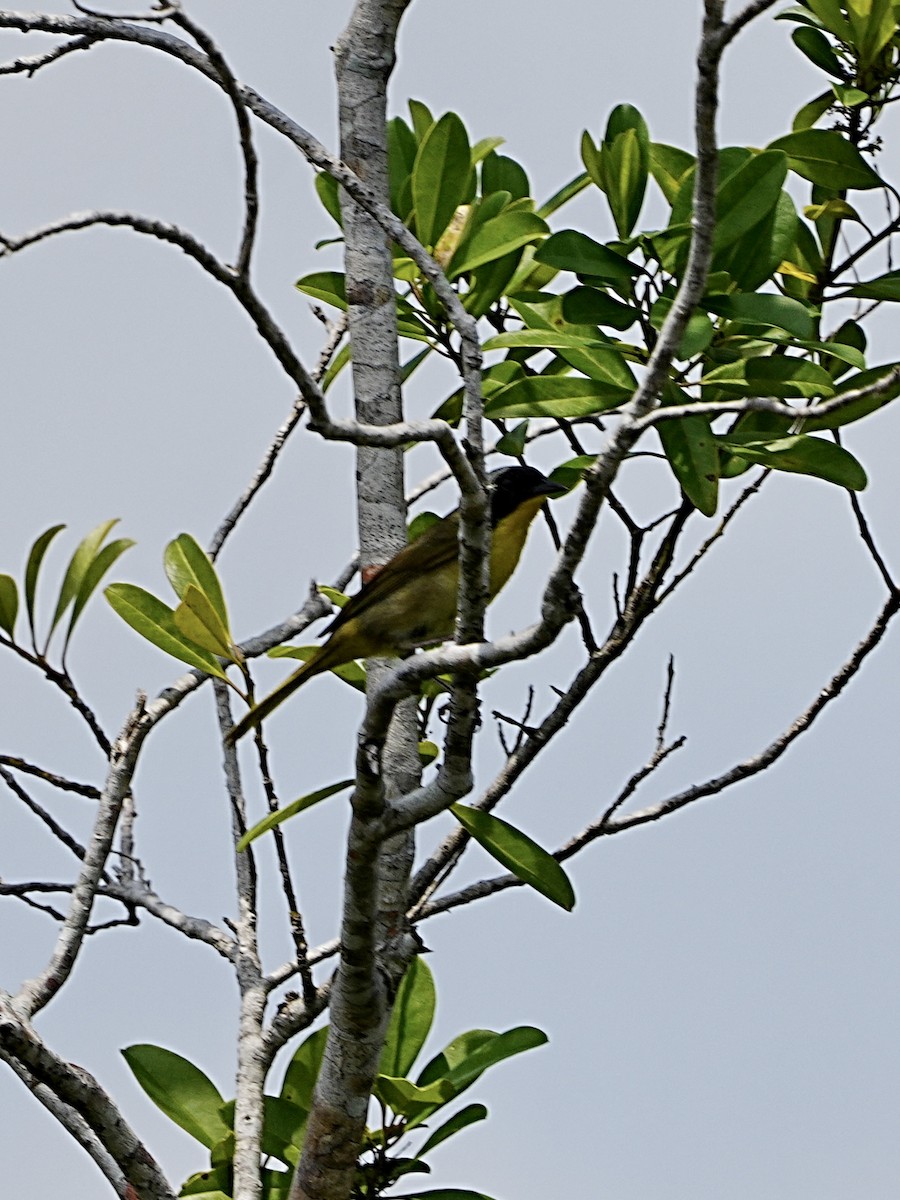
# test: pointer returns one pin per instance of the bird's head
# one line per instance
(512, 486)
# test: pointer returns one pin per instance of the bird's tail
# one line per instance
(258, 713)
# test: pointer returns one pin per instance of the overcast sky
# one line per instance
(722, 1004)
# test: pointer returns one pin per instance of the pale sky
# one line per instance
(722, 1004)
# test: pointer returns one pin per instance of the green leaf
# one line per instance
(802, 455)
(470, 1054)
(199, 622)
(155, 621)
(495, 238)
(303, 1069)
(513, 441)
(542, 339)
(626, 160)
(327, 286)
(502, 174)
(770, 376)
(817, 48)
(807, 116)
(555, 396)
(9, 604)
(858, 409)
(461, 1120)
(668, 166)
(569, 474)
(693, 454)
(885, 287)
(440, 177)
(748, 196)
(590, 306)
(187, 563)
(215, 1184)
(290, 810)
(825, 157)
(180, 1089)
(85, 553)
(570, 250)
(572, 189)
(402, 149)
(327, 190)
(765, 308)
(32, 569)
(410, 1021)
(421, 118)
(95, 572)
(409, 1100)
(517, 852)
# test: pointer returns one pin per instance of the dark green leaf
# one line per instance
(155, 621)
(817, 48)
(885, 287)
(570, 250)
(402, 149)
(461, 1120)
(32, 569)
(590, 306)
(440, 177)
(569, 474)
(180, 1089)
(410, 1021)
(693, 455)
(856, 409)
(470, 1054)
(517, 852)
(303, 1069)
(290, 810)
(9, 604)
(626, 152)
(825, 157)
(803, 455)
(543, 339)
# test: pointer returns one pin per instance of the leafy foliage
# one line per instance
(190, 1099)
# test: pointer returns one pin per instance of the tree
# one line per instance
(711, 333)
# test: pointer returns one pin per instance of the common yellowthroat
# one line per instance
(412, 600)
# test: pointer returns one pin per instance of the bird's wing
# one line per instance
(435, 548)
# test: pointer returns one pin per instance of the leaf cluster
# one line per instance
(405, 1105)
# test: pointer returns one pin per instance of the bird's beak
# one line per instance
(548, 488)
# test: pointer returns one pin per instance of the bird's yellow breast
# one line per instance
(508, 540)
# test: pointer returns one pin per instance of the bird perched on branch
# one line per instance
(412, 600)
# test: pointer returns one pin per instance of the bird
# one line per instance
(411, 601)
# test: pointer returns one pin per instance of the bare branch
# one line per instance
(55, 828)
(34, 62)
(74, 1123)
(37, 992)
(251, 165)
(57, 781)
(80, 1092)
